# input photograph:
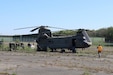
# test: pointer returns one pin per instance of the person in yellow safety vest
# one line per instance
(100, 48)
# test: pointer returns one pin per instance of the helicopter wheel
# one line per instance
(62, 50)
(38, 48)
(53, 50)
(41, 49)
(73, 51)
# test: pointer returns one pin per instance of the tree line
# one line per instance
(103, 32)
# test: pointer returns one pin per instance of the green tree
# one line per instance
(101, 32)
(65, 32)
(109, 34)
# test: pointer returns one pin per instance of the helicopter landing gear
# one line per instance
(38, 48)
(62, 50)
(53, 49)
(41, 49)
(74, 50)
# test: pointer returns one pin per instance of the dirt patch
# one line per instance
(4, 74)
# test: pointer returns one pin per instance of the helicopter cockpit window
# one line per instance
(86, 36)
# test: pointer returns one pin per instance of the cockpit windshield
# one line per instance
(86, 36)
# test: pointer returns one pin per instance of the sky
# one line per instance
(67, 14)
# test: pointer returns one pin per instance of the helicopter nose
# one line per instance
(88, 43)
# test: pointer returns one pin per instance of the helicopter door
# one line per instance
(73, 42)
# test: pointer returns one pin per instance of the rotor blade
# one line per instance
(56, 27)
(34, 29)
(25, 28)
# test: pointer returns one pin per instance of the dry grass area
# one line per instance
(85, 62)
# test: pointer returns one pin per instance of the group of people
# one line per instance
(15, 46)
(32, 46)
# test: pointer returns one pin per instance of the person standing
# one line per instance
(100, 48)
(33, 46)
(29, 45)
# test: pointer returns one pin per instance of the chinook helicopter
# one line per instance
(46, 40)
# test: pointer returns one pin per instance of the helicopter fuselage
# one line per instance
(81, 40)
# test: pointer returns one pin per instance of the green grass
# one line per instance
(86, 73)
(3, 73)
(18, 49)
(13, 74)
